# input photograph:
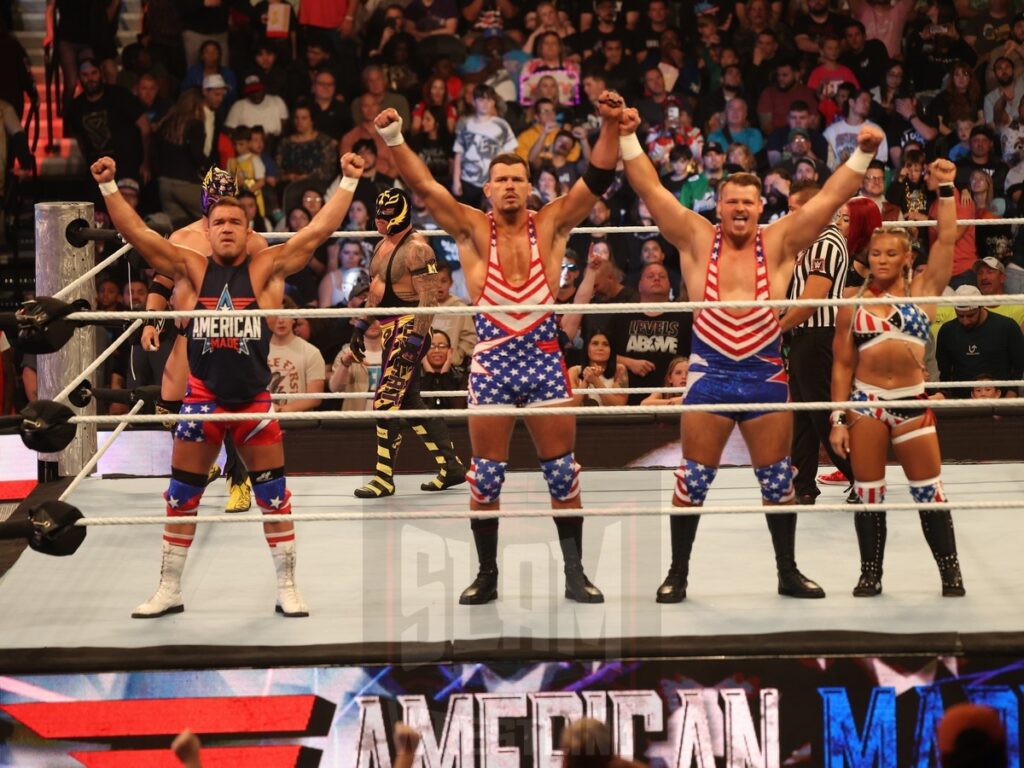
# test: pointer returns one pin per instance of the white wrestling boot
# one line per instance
(289, 601)
(167, 598)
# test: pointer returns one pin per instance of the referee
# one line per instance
(819, 273)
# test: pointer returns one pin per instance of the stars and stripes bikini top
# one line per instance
(906, 322)
(499, 292)
(737, 337)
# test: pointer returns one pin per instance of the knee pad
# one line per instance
(486, 477)
(776, 481)
(270, 491)
(562, 476)
(693, 480)
(927, 491)
(870, 492)
(184, 492)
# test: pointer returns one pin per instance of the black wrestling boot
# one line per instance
(938, 532)
(484, 588)
(389, 440)
(451, 472)
(792, 583)
(683, 530)
(871, 532)
(570, 538)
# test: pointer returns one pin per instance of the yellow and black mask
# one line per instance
(218, 183)
(394, 209)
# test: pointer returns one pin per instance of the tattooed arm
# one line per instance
(422, 266)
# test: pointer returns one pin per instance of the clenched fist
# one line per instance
(629, 121)
(610, 105)
(942, 171)
(389, 125)
(103, 170)
(352, 165)
(870, 139)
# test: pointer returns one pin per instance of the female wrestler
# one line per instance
(881, 349)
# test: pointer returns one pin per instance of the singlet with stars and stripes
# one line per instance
(499, 292)
(737, 337)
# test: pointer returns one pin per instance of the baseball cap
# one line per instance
(966, 290)
(991, 262)
(128, 184)
(713, 146)
(214, 81)
(252, 84)
(800, 132)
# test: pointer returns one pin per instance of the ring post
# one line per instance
(57, 264)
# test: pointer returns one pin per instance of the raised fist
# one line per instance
(870, 139)
(103, 170)
(407, 739)
(942, 171)
(610, 105)
(352, 165)
(629, 121)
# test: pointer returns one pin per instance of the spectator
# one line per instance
(375, 86)
(985, 391)
(543, 129)
(996, 240)
(590, 38)
(440, 373)
(296, 366)
(764, 59)
(549, 56)
(351, 375)
(971, 736)
(68, 23)
(646, 342)
(550, 20)
(682, 166)
(247, 168)
(657, 100)
(370, 107)
(908, 191)
(842, 134)
(214, 91)
(1002, 102)
(460, 329)
(260, 108)
(700, 193)
(991, 274)
(204, 21)
(961, 99)
(780, 140)
(1012, 48)
(934, 46)
(425, 19)
(883, 21)
(209, 63)
(433, 143)
(906, 126)
(435, 94)
(982, 158)
(736, 129)
(155, 106)
(798, 152)
(337, 284)
(866, 57)
(602, 283)
(1011, 137)
(873, 188)
(978, 342)
(884, 95)
(987, 31)
(299, 78)
(776, 103)
(600, 370)
(182, 159)
(756, 19)
(257, 221)
(826, 77)
(712, 105)
(819, 21)
(675, 377)
(269, 68)
(108, 121)
(619, 71)
(478, 139)
(306, 156)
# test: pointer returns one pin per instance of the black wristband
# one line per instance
(598, 179)
(947, 190)
(160, 290)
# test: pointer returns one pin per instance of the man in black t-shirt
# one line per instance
(646, 342)
(109, 121)
(978, 342)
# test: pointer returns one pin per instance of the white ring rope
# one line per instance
(606, 410)
(467, 514)
(614, 390)
(638, 229)
(566, 309)
(90, 465)
(100, 359)
(83, 278)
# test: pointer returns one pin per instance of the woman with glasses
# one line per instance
(879, 357)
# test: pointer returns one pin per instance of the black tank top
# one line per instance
(390, 298)
(229, 355)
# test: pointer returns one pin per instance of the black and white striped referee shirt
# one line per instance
(829, 258)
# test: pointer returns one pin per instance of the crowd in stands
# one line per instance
(273, 90)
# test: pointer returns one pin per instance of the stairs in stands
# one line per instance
(30, 28)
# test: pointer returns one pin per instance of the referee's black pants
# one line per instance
(810, 380)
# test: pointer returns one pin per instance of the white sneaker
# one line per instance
(167, 598)
(289, 601)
